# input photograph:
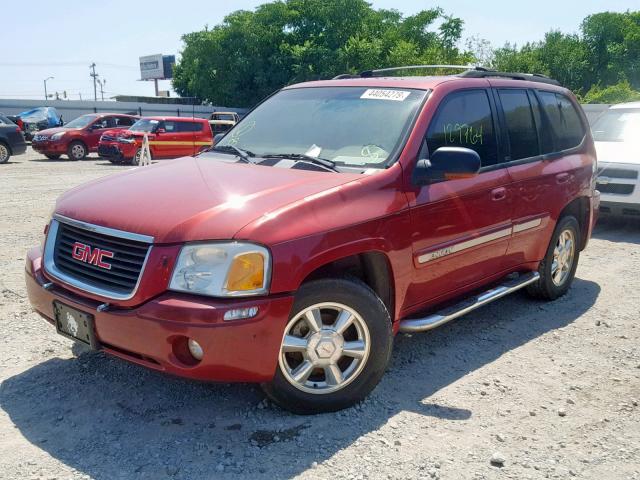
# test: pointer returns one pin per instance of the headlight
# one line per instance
(57, 136)
(231, 269)
(126, 140)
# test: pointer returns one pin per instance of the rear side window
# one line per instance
(464, 119)
(564, 119)
(189, 126)
(523, 137)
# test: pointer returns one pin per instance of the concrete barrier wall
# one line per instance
(70, 109)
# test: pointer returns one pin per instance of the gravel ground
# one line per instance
(519, 389)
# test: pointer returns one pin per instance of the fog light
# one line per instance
(240, 313)
(195, 349)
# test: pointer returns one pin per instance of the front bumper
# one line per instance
(116, 150)
(48, 147)
(619, 185)
(153, 334)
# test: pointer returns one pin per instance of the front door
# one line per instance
(461, 227)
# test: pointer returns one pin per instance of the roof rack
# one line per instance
(470, 71)
(530, 77)
(372, 73)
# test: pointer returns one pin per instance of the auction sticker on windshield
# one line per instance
(395, 95)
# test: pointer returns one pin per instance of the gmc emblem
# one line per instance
(84, 253)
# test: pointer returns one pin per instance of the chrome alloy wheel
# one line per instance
(4, 153)
(563, 256)
(324, 348)
(77, 151)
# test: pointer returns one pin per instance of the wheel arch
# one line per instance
(580, 209)
(372, 267)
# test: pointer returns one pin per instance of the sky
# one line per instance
(61, 39)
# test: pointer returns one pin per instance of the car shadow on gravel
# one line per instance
(108, 419)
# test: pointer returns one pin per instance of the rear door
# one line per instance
(543, 131)
(461, 227)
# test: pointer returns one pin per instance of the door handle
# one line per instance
(498, 194)
(562, 178)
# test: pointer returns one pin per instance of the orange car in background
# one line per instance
(169, 137)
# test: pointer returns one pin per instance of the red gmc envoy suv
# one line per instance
(334, 215)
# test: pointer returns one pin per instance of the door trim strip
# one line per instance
(458, 247)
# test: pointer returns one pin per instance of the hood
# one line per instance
(192, 199)
(51, 131)
(618, 152)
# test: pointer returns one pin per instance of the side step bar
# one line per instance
(451, 313)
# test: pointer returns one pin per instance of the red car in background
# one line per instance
(169, 137)
(79, 137)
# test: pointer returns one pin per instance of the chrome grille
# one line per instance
(117, 277)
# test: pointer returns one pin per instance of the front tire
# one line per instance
(77, 151)
(335, 349)
(558, 268)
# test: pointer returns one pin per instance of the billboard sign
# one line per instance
(151, 67)
(168, 62)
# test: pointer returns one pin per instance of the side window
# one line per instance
(523, 137)
(544, 132)
(573, 130)
(124, 121)
(565, 121)
(102, 123)
(170, 126)
(464, 119)
(189, 127)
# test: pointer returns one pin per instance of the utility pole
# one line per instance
(102, 84)
(46, 97)
(95, 77)
(80, 95)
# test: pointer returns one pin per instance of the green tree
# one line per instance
(253, 53)
(605, 53)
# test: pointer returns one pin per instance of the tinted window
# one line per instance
(464, 119)
(189, 126)
(564, 119)
(544, 132)
(523, 137)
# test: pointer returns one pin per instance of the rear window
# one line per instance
(565, 120)
(464, 119)
(523, 137)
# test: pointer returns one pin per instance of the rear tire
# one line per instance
(558, 268)
(77, 151)
(5, 153)
(52, 157)
(340, 360)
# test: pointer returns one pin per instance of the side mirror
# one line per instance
(217, 137)
(447, 163)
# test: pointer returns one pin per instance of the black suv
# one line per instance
(11, 139)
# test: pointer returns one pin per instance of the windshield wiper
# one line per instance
(323, 162)
(243, 155)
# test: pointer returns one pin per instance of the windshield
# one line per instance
(617, 125)
(222, 116)
(81, 122)
(352, 126)
(144, 125)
